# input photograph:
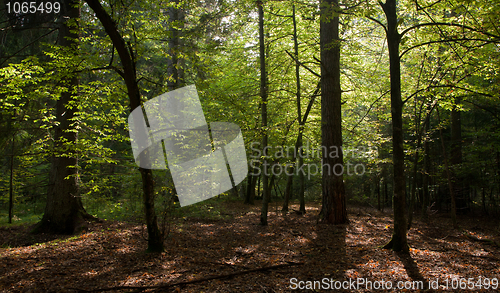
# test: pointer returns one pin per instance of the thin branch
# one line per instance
(448, 86)
(447, 24)
(443, 41)
(484, 108)
(302, 64)
(369, 109)
(29, 44)
(379, 22)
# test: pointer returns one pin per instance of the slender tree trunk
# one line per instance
(386, 192)
(334, 210)
(250, 196)
(377, 181)
(263, 95)
(427, 168)
(64, 212)
(11, 179)
(155, 237)
(449, 178)
(302, 208)
(414, 184)
(456, 159)
(289, 184)
(483, 197)
(399, 240)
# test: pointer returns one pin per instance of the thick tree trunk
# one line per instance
(155, 236)
(399, 240)
(64, 212)
(334, 209)
(263, 94)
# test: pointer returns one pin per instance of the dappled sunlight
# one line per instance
(112, 254)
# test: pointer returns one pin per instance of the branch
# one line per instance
(447, 86)
(302, 64)
(369, 109)
(379, 22)
(109, 67)
(484, 108)
(311, 102)
(448, 24)
(125, 52)
(29, 44)
(442, 41)
(165, 286)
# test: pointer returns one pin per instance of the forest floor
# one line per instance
(238, 255)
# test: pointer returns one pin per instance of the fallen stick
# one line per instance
(164, 286)
(484, 240)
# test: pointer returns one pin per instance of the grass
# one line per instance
(126, 210)
(22, 217)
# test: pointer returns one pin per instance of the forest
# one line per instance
(249, 146)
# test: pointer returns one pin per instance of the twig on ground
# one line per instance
(164, 286)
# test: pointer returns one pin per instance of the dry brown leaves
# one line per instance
(112, 254)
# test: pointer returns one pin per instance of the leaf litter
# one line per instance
(242, 256)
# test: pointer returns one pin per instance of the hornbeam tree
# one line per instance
(399, 240)
(128, 72)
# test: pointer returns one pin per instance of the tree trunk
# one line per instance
(155, 237)
(288, 190)
(459, 187)
(399, 240)
(263, 95)
(250, 196)
(11, 179)
(334, 209)
(377, 181)
(302, 208)
(427, 168)
(174, 69)
(64, 212)
(449, 178)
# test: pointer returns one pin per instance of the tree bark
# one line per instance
(334, 209)
(449, 178)
(399, 240)
(174, 68)
(11, 179)
(64, 212)
(288, 190)
(263, 105)
(427, 168)
(458, 182)
(302, 208)
(155, 237)
(250, 196)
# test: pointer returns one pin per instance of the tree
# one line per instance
(64, 212)
(263, 105)
(128, 72)
(399, 240)
(334, 209)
